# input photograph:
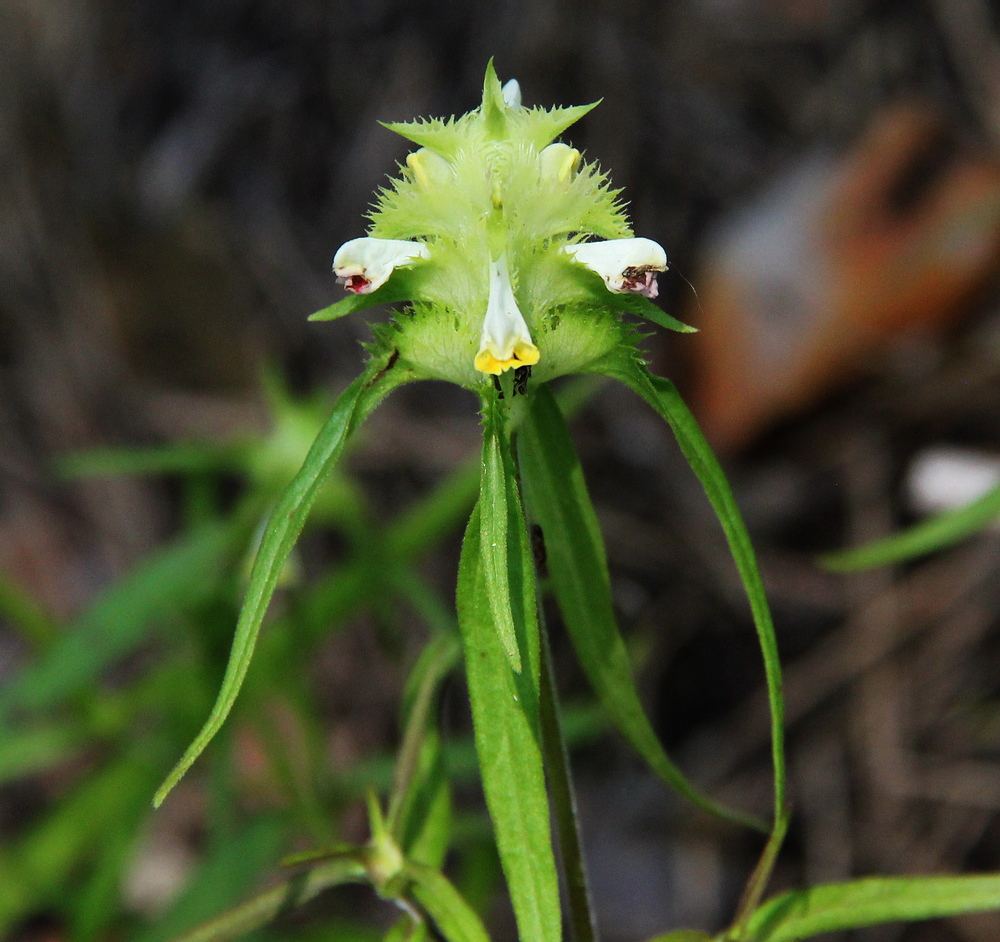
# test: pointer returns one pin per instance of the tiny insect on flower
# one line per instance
(626, 265)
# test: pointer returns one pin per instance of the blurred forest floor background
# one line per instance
(825, 177)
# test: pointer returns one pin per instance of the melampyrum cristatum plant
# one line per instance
(517, 266)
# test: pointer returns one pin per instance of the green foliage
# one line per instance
(286, 522)
(806, 913)
(931, 535)
(486, 190)
(558, 502)
(505, 717)
(626, 365)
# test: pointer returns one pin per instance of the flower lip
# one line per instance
(628, 266)
(364, 265)
(505, 342)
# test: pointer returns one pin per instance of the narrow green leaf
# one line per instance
(642, 307)
(284, 526)
(625, 365)
(493, 521)
(505, 721)
(925, 537)
(26, 615)
(181, 458)
(556, 497)
(419, 814)
(455, 919)
(805, 913)
(400, 287)
(287, 896)
(37, 747)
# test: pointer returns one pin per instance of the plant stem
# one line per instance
(294, 892)
(759, 878)
(581, 913)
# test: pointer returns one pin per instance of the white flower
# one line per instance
(626, 265)
(512, 94)
(505, 342)
(558, 162)
(363, 265)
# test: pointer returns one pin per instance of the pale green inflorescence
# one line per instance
(512, 251)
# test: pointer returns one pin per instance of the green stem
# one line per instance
(759, 879)
(581, 912)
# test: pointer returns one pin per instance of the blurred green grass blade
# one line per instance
(505, 722)
(419, 813)
(625, 365)
(285, 524)
(929, 535)
(29, 750)
(25, 615)
(174, 580)
(454, 918)
(97, 905)
(805, 913)
(557, 499)
(163, 459)
(267, 906)
(425, 819)
(493, 535)
(231, 867)
(35, 872)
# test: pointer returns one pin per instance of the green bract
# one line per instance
(512, 251)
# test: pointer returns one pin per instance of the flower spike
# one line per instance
(505, 342)
(364, 265)
(626, 265)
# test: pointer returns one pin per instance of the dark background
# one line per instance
(175, 179)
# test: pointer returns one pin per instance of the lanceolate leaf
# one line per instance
(419, 813)
(493, 523)
(806, 913)
(505, 719)
(625, 365)
(557, 499)
(283, 528)
(455, 919)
